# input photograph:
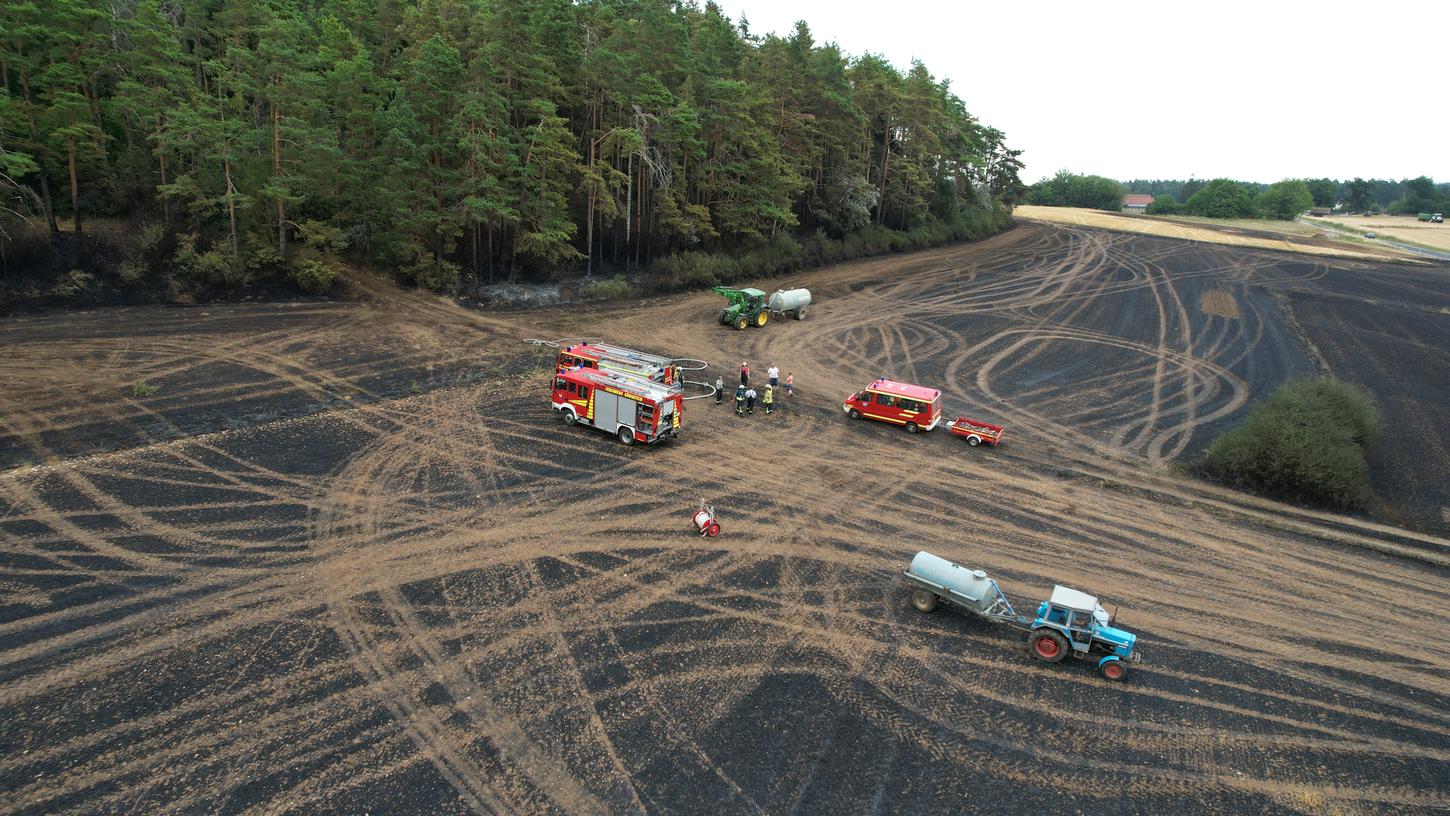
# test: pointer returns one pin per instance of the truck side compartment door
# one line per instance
(606, 410)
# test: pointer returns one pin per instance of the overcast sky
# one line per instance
(1256, 91)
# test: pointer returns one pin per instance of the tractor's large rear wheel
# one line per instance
(741, 323)
(1047, 645)
(923, 601)
(762, 318)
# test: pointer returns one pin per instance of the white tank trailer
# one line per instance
(970, 589)
(793, 302)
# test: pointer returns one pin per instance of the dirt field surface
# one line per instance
(1248, 233)
(346, 560)
(1404, 227)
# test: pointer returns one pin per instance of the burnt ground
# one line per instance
(344, 560)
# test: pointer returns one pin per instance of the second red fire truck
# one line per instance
(633, 409)
(618, 359)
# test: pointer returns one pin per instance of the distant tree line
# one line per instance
(1420, 194)
(1073, 190)
(456, 140)
(1226, 198)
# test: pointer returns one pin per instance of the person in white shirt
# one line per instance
(774, 374)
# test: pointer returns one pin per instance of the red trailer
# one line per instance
(977, 431)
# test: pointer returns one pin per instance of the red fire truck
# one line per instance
(914, 407)
(631, 408)
(611, 358)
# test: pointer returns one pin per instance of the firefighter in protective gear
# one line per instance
(768, 398)
(740, 399)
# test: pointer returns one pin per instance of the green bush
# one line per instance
(616, 288)
(439, 276)
(1305, 443)
(316, 276)
(1285, 200)
(74, 282)
(131, 272)
(1221, 198)
(782, 254)
(1163, 205)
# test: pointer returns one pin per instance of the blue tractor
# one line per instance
(1073, 622)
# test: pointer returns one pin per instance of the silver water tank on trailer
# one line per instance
(791, 301)
(973, 584)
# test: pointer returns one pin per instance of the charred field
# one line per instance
(344, 558)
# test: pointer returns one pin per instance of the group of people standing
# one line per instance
(745, 394)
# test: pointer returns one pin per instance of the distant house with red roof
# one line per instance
(1135, 203)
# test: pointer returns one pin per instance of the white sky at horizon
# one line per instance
(1247, 90)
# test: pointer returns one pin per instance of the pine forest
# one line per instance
(457, 142)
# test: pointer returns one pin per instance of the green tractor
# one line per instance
(746, 307)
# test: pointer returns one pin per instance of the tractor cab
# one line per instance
(1073, 613)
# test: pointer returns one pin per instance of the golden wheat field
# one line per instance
(1228, 235)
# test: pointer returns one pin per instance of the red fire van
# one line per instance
(911, 406)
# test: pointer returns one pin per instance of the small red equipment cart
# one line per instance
(977, 431)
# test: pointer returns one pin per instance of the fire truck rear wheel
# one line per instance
(923, 601)
(569, 418)
(911, 427)
(626, 435)
(855, 414)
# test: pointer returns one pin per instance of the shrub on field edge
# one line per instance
(316, 276)
(1285, 200)
(1163, 205)
(616, 288)
(1221, 198)
(783, 254)
(1305, 443)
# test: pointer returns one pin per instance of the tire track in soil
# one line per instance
(458, 493)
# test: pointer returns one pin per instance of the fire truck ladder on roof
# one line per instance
(631, 355)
